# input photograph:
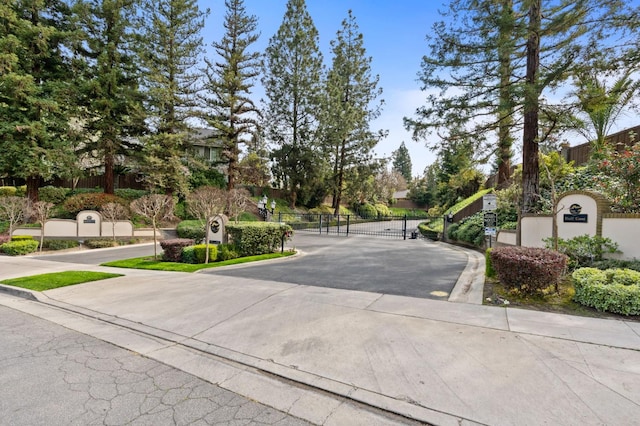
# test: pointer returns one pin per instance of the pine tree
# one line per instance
(113, 116)
(293, 83)
(35, 101)
(349, 106)
(228, 84)
(402, 162)
(169, 51)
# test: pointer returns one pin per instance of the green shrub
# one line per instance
(428, 232)
(59, 244)
(97, 243)
(17, 248)
(91, 201)
(528, 269)
(8, 191)
(612, 290)
(188, 255)
(382, 210)
(226, 252)
(52, 194)
(489, 270)
(255, 238)
(584, 249)
(21, 238)
(173, 248)
(130, 194)
(617, 263)
(191, 229)
(200, 251)
(21, 191)
(452, 231)
(471, 230)
(367, 211)
(321, 209)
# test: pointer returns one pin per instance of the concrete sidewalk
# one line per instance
(432, 361)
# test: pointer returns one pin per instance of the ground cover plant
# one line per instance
(53, 280)
(157, 265)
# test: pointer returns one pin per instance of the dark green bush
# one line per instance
(130, 194)
(584, 249)
(17, 248)
(192, 229)
(91, 201)
(188, 255)
(226, 252)
(200, 251)
(612, 290)
(528, 269)
(452, 231)
(96, 243)
(471, 230)
(59, 244)
(617, 263)
(257, 238)
(173, 248)
(21, 238)
(52, 194)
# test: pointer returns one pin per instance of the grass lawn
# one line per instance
(158, 265)
(53, 280)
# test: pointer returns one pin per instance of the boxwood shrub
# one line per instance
(255, 238)
(191, 229)
(528, 269)
(59, 244)
(17, 248)
(227, 252)
(21, 238)
(611, 290)
(97, 243)
(200, 252)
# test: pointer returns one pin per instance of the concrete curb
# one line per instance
(470, 285)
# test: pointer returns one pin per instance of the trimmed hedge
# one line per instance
(200, 252)
(13, 191)
(59, 244)
(528, 269)
(256, 238)
(226, 252)
(91, 201)
(173, 248)
(97, 243)
(17, 248)
(21, 238)
(191, 229)
(612, 290)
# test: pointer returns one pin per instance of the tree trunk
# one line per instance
(33, 183)
(109, 176)
(530, 162)
(505, 112)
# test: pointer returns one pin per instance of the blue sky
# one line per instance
(394, 36)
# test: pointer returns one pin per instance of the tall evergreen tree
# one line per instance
(401, 162)
(113, 116)
(293, 82)
(170, 48)
(35, 101)
(471, 60)
(349, 106)
(228, 85)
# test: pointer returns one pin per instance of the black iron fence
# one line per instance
(380, 226)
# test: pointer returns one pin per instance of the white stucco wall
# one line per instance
(60, 228)
(124, 228)
(508, 237)
(534, 230)
(625, 232)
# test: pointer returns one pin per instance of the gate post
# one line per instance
(404, 227)
(320, 221)
(338, 224)
(348, 220)
(328, 223)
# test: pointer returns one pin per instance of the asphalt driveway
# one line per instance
(415, 268)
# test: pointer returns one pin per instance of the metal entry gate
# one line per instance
(385, 226)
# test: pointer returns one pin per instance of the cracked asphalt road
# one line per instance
(50, 375)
